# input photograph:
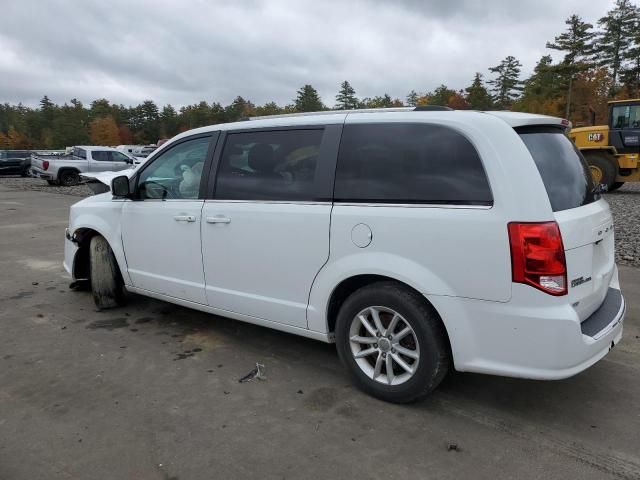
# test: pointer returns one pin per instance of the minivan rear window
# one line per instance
(562, 167)
(414, 163)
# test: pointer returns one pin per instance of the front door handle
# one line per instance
(185, 218)
(218, 219)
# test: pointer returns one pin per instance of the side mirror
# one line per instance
(120, 186)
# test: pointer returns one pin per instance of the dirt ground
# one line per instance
(150, 391)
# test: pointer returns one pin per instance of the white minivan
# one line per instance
(416, 240)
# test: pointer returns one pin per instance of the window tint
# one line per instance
(101, 156)
(275, 165)
(626, 116)
(119, 157)
(176, 173)
(80, 152)
(409, 163)
(563, 170)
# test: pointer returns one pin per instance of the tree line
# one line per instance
(599, 63)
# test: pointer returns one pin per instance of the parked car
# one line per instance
(18, 162)
(15, 162)
(66, 169)
(144, 151)
(418, 241)
(140, 151)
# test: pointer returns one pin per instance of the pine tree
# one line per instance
(478, 96)
(412, 98)
(239, 108)
(148, 122)
(384, 101)
(507, 84)
(308, 100)
(270, 108)
(576, 43)
(346, 98)
(631, 73)
(544, 90)
(614, 41)
(440, 96)
(168, 121)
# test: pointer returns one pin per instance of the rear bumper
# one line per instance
(40, 174)
(529, 340)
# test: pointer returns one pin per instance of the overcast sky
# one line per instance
(184, 51)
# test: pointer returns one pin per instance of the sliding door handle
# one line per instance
(185, 218)
(218, 219)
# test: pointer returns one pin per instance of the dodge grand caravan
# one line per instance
(417, 241)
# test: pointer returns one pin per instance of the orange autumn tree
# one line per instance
(126, 137)
(458, 102)
(590, 92)
(17, 140)
(104, 131)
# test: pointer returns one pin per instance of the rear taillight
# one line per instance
(45, 164)
(537, 256)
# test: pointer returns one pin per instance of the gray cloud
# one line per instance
(187, 51)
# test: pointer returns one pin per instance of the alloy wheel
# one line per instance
(384, 345)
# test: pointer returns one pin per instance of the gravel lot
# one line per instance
(625, 204)
(39, 185)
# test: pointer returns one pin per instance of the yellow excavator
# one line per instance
(613, 150)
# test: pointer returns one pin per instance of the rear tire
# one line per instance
(427, 340)
(616, 186)
(69, 178)
(602, 166)
(106, 281)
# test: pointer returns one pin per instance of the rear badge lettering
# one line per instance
(579, 281)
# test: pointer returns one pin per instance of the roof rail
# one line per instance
(432, 108)
(331, 112)
(419, 108)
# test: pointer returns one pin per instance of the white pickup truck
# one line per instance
(66, 169)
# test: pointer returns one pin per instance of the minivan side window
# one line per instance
(409, 163)
(269, 165)
(176, 173)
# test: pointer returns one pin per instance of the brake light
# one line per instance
(45, 165)
(537, 256)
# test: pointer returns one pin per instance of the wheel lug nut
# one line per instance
(377, 334)
(390, 337)
(393, 350)
(375, 345)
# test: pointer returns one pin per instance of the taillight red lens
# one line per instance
(537, 256)
(45, 164)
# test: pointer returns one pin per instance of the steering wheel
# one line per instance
(163, 192)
